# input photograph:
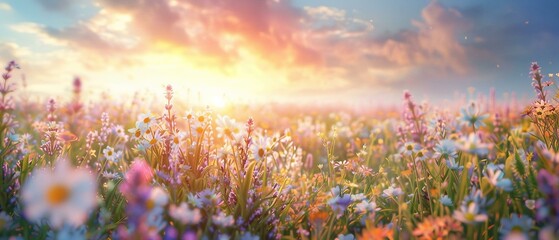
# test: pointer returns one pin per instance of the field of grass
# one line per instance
(126, 169)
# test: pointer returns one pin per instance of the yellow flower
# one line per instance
(374, 233)
(406, 173)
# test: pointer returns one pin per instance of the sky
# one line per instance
(280, 50)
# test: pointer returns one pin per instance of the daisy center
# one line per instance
(516, 229)
(227, 132)
(150, 204)
(261, 152)
(147, 120)
(470, 216)
(58, 194)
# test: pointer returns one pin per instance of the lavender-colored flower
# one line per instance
(136, 190)
(339, 202)
(6, 102)
(392, 192)
(495, 175)
(516, 227)
(365, 206)
(548, 207)
(414, 122)
(171, 233)
(10, 176)
(446, 149)
(248, 236)
(537, 81)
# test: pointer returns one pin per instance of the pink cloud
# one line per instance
(323, 41)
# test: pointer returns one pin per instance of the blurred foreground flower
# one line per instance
(381, 232)
(184, 214)
(438, 228)
(516, 227)
(470, 214)
(472, 116)
(473, 144)
(495, 175)
(63, 195)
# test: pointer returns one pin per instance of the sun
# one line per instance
(218, 101)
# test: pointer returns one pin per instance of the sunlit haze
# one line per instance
(280, 50)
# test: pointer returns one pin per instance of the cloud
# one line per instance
(5, 7)
(57, 5)
(7, 52)
(80, 35)
(36, 30)
(430, 50)
(303, 48)
(434, 44)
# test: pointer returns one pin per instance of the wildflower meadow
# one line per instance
(279, 120)
(129, 169)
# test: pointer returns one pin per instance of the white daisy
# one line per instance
(392, 192)
(184, 214)
(120, 133)
(470, 214)
(260, 148)
(154, 138)
(228, 127)
(110, 154)
(136, 132)
(63, 195)
(155, 206)
(223, 220)
(178, 140)
(157, 200)
(145, 121)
